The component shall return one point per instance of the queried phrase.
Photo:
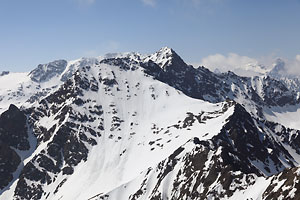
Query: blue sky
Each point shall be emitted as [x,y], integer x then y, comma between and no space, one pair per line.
[39,31]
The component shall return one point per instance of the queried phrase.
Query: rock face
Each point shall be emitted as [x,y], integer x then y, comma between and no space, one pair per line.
[45,72]
[13,130]
[279,69]
[287,183]
[3,73]
[10,160]
[129,126]
[67,139]
[13,136]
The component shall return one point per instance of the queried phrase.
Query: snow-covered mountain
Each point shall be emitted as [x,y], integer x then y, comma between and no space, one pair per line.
[132,126]
[279,72]
[24,89]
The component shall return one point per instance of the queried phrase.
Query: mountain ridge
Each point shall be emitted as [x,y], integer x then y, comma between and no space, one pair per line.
[94,130]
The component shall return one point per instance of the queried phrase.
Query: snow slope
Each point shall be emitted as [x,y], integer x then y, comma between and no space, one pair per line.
[143,121]
[288,116]
[10,85]
[24,89]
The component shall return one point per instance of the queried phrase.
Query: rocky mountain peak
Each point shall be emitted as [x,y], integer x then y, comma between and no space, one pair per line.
[13,128]
[45,72]
[168,59]
[278,69]
[3,73]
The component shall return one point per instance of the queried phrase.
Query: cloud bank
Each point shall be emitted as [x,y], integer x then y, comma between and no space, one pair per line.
[226,63]
[241,65]
[293,66]
[247,66]
[151,3]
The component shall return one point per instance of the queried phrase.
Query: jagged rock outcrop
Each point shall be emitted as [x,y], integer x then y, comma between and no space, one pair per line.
[45,72]
[13,137]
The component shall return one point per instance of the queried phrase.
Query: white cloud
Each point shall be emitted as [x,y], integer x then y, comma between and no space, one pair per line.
[91,53]
[241,65]
[293,67]
[225,63]
[204,4]
[288,67]
[86,2]
[195,3]
[113,45]
[151,3]
[247,66]
[110,46]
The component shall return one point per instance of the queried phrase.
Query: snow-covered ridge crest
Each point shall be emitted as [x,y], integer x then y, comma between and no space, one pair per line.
[59,69]
[64,69]
[166,57]
[162,57]
[24,89]
[44,72]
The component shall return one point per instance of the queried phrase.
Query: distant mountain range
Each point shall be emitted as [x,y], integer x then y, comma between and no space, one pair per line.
[132,126]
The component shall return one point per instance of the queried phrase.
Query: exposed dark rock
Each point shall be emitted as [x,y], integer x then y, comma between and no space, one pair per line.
[13,129]
[290,189]
[9,161]
[45,72]
[3,73]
